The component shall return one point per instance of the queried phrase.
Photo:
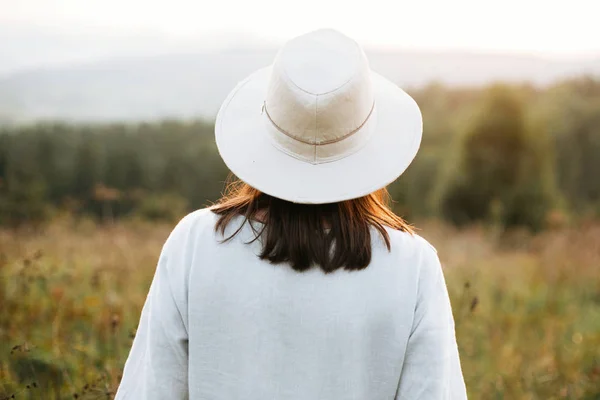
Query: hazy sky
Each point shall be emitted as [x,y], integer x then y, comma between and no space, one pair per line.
[554,27]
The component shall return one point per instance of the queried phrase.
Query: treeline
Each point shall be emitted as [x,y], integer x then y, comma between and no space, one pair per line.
[508,155]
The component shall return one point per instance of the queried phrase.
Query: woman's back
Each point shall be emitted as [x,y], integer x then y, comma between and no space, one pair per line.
[222,324]
[331,296]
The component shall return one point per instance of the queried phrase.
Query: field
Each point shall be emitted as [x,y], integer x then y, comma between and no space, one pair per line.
[527,308]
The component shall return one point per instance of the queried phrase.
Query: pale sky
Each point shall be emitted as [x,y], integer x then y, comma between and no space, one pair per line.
[551,27]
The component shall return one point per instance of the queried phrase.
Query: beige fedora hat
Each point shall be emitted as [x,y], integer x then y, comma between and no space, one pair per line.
[318,125]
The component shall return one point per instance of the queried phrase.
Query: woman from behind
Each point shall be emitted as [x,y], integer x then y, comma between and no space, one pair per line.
[301,283]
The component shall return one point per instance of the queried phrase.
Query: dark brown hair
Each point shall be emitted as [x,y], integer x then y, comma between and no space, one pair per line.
[331,236]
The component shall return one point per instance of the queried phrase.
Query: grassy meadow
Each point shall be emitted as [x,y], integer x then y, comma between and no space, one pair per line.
[527,308]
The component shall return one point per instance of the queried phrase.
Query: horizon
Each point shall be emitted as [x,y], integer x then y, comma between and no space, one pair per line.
[98,60]
[112,45]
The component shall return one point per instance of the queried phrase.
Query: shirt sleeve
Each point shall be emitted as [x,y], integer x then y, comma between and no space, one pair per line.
[431,369]
[157,366]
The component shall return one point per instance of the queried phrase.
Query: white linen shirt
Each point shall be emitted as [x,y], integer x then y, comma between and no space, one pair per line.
[221,324]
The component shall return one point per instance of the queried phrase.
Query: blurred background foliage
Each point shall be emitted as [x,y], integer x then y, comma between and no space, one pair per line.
[505,186]
[508,155]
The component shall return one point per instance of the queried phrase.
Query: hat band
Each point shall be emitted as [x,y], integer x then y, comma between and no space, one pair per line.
[317,143]
[315,152]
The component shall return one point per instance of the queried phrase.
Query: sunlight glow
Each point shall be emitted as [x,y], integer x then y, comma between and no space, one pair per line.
[532,26]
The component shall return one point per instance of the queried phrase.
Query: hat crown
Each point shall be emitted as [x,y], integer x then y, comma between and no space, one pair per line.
[318,126]
[320,89]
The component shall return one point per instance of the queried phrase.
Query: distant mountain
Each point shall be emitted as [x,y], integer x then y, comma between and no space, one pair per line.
[194,84]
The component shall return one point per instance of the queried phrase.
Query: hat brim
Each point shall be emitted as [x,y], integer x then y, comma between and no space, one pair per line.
[249,152]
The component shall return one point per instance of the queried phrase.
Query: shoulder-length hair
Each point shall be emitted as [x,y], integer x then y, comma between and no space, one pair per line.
[330,236]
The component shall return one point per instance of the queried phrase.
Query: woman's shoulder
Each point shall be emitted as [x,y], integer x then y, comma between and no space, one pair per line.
[192,225]
[198,218]
[416,255]
[409,242]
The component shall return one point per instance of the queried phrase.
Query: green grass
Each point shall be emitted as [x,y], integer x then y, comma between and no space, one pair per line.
[527,309]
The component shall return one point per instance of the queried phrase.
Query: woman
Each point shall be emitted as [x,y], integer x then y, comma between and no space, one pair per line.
[301,284]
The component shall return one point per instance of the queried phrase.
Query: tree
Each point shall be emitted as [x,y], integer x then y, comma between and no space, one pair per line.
[504,168]
[572,116]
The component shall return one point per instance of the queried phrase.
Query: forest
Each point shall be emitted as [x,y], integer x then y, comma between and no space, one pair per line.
[508,155]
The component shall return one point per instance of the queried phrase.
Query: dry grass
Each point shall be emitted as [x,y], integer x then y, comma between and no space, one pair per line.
[527,308]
